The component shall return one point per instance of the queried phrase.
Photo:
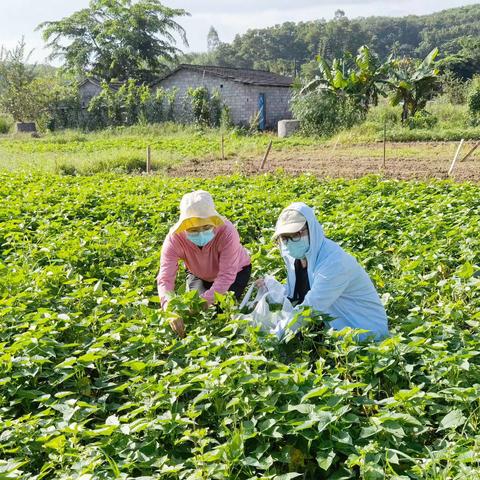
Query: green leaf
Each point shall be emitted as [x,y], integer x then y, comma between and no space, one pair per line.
[466,270]
[287,476]
[325,459]
[316,392]
[57,443]
[453,419]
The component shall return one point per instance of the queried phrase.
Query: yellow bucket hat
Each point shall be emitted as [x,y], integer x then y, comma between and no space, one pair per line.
[197,209]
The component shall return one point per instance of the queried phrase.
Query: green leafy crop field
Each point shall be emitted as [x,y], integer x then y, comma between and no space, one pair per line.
[94,385]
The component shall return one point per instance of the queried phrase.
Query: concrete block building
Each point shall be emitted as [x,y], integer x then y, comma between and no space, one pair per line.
[247,93]
[90,88]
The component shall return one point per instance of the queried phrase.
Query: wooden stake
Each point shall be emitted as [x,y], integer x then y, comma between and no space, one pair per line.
[223,147]
[149,159]
[470,152]
[455,157]
[266,155]
[333,150]
[384,144]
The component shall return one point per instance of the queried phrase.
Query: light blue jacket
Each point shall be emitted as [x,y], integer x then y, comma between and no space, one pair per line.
[339,286]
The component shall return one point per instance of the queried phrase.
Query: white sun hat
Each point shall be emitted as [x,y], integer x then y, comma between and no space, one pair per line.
[290,221]
[196,210]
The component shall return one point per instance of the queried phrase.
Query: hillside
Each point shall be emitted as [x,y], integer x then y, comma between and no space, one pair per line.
[285,47]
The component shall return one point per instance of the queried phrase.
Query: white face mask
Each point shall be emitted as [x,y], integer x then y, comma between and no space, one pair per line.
[201,238]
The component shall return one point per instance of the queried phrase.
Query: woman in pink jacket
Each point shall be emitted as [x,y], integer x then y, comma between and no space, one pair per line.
[210,247]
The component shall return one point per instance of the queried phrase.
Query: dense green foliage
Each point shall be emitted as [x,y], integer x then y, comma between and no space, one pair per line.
[24,95]
[342,93]
[128,105]
[362,78]
[32,92]
[474,101]
[132,103]
[284,48]
[464,63]
[324,113]
[206,107]
[96,386]
[5,124]
[116,40]
[414,83]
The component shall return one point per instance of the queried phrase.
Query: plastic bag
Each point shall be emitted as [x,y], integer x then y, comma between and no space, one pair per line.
[262,315]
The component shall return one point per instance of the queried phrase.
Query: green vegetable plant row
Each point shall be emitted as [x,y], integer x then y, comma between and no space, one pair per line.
[95,385]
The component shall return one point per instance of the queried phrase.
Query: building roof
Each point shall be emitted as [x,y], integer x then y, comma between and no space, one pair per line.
[98,83]
[241,75]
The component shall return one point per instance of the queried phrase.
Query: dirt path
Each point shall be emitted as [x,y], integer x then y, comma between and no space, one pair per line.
[418,160]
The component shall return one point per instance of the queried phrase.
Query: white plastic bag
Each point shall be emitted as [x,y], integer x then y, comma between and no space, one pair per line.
[275,322]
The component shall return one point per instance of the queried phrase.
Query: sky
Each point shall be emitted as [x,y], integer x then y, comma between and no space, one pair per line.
[229,17]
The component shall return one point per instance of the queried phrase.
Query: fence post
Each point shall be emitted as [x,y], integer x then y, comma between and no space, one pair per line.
[149,159]
[333,149]
[266,155]
[470,152]
[384,144]
[455,157]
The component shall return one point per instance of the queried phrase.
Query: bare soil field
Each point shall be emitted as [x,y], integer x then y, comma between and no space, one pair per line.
[416,160]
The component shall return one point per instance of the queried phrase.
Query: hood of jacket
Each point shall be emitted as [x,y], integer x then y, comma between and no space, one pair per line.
[317,241]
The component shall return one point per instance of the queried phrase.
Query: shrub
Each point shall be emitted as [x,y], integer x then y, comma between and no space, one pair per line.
[384,113]
[474,101]
[199,99]
[454,88]
[324,113]
[422,119]
[226,118]
[129,105]
[206,108]
[5,124]
[448,113]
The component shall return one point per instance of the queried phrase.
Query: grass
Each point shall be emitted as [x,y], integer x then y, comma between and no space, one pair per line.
[124,149]
[453,125]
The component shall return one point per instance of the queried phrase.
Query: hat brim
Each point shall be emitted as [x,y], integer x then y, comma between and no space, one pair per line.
[288,229]
[192,222]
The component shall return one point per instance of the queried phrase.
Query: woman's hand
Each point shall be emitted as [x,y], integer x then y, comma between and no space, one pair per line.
[260,283]
[177,325]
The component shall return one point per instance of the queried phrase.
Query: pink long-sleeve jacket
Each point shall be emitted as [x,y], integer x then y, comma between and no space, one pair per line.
[219,261]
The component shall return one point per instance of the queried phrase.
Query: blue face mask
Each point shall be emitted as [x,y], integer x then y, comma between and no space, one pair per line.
[201,238]
[297,249]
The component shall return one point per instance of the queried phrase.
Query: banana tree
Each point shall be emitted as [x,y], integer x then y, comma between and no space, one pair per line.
[413,83]
[362,77]
[372,75]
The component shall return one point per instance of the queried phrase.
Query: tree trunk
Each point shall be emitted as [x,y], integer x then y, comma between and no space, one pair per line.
[405,112]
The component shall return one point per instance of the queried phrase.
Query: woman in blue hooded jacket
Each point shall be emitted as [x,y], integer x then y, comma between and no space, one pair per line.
[321,275]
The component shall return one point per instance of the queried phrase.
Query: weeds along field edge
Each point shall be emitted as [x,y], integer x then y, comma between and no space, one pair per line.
[94,385]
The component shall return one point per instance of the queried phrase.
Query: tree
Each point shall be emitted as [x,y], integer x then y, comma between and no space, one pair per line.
[466,62]
[21,94]
[342,35]
[362,78]
[414,83]
[117,39]
[213,40]
[474,101]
